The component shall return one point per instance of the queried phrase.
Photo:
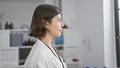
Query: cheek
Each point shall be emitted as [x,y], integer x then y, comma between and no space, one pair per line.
[56,26]
[54,29]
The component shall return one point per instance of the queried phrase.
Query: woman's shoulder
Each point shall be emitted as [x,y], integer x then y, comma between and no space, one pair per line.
[37,48]
[34,56]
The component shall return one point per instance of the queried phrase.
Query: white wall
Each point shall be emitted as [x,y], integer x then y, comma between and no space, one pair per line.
[17,12]
[91,26]
[86,16]
[97,34]
[20,11]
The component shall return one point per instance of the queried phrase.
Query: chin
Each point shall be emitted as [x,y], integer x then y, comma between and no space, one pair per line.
[58,35]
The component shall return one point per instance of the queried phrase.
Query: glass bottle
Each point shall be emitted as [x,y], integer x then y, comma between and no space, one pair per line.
[6,25]
[11,25]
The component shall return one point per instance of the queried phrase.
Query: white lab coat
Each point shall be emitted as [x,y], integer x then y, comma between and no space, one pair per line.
[42,57]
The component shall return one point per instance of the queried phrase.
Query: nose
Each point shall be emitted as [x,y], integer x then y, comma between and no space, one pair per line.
[62,24]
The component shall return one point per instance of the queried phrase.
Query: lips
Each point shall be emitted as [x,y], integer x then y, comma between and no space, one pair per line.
[60,29]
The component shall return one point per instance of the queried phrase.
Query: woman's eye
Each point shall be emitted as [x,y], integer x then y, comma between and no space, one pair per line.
[60,20]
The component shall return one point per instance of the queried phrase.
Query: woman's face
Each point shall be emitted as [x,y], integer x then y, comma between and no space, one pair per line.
[55,28]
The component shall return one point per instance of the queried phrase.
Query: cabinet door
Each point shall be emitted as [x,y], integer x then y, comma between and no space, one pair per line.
[4,38]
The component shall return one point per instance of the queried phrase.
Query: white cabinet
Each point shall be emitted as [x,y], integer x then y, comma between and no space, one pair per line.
[14,56]
[15,38]
[4,38]
[72,45]
[15,45]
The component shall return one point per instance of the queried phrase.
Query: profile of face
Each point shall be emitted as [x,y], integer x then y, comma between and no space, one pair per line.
[55,27]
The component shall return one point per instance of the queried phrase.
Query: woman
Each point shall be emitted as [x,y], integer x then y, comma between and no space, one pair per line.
[46,25]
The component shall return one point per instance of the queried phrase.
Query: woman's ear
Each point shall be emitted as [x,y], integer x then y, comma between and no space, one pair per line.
[45,23]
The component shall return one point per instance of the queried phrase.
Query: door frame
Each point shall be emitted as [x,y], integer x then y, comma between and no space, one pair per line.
[117,31]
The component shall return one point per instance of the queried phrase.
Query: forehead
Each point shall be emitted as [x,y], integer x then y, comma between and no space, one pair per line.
[57,16]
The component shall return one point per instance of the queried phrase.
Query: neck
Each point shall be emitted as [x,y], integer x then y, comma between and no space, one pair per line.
[46,40]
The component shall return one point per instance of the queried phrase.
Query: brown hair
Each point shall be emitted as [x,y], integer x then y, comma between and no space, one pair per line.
[42,13]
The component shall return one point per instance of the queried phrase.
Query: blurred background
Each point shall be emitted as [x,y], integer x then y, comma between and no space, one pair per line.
[91,38]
